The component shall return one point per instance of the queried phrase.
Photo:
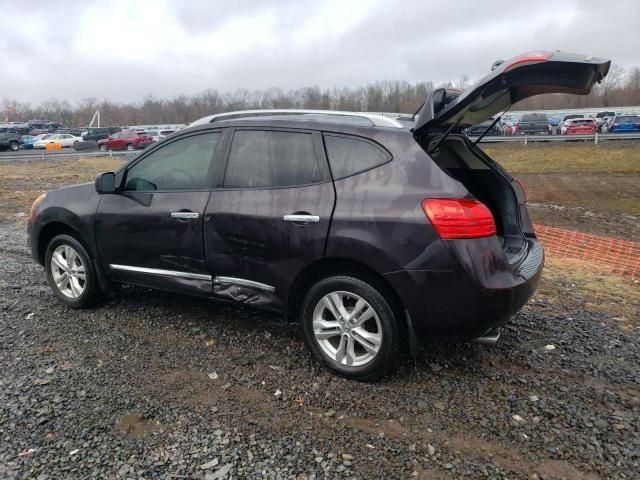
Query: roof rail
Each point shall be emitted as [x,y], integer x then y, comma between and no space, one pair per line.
[376,119]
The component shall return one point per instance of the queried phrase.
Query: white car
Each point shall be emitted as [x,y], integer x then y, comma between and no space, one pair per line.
[63,139]
[158,135]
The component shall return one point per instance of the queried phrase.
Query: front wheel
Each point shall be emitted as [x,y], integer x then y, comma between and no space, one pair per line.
[14,146]
[71,273]
[350,328]
[103,148]
[129,146]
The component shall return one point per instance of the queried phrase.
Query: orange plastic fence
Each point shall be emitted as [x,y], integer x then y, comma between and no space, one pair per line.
[605,253]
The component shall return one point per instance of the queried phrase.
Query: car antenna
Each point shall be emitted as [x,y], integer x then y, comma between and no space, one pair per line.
[491,126]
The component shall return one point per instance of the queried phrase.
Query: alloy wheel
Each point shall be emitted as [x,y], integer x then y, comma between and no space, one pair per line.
[68,271]
[347,328]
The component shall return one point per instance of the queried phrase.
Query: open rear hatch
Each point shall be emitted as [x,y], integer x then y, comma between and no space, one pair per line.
[448,111]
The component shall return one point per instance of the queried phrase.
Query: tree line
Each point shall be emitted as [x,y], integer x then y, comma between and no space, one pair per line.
[619,88]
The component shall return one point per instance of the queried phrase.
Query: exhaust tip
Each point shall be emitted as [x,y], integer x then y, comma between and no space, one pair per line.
[490,338]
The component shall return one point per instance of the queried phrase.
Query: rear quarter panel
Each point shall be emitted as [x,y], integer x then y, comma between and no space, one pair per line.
[378,218]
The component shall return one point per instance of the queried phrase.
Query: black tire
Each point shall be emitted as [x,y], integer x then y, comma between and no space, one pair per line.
[390,350]
[91,293]
[103,148]
[130,147]
[14,146]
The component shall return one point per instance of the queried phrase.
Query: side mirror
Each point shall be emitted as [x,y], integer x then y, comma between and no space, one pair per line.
[106,183]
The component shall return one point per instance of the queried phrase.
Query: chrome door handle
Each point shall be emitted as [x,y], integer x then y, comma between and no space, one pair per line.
[185,215]
[302,218]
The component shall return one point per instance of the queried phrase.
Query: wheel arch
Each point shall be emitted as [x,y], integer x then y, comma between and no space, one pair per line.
[328,266]
[53,229]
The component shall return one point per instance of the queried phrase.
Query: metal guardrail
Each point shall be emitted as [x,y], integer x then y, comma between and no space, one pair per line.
[46,155]
[596,138]
[522,139]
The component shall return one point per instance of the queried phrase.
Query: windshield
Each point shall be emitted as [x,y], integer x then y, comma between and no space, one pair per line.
[585,121]
[628,118]
[534,117]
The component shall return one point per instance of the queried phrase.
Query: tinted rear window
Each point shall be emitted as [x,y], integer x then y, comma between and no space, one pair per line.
[583,122]
[627,118]
[263,159]
[348,155]
[534,117]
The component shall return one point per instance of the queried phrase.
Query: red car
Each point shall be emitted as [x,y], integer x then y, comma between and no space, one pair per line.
[125,140]
[582,126]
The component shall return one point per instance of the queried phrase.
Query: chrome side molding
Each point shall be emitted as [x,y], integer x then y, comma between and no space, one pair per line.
[243,282]
[161,272]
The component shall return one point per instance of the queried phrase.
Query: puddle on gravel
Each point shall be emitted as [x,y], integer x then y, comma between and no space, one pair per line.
[135,426]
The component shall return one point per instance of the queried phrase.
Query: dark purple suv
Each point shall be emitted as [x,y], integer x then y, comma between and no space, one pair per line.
[371,233]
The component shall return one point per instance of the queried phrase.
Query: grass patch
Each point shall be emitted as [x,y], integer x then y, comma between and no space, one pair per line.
[573,284]
[566,158]
[21,183]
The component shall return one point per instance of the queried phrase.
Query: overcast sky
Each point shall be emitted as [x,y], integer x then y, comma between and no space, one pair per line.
[125,49]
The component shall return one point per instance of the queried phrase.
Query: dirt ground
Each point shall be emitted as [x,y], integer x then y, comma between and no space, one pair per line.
[579,186]
[156,385]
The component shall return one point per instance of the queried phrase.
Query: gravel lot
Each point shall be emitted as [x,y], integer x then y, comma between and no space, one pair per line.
[152,385]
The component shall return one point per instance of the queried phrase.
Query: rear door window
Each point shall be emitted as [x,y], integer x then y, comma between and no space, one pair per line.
[270,158]
[349,155]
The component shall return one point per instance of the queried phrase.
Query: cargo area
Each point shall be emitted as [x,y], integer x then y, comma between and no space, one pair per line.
[489,184]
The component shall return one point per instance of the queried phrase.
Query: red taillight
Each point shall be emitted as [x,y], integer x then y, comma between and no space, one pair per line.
[459,218]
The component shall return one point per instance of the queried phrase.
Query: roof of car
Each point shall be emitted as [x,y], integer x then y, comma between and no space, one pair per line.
[326,116]
[311,122]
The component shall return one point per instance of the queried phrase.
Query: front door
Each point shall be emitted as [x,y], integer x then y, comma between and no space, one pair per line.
[271,216]
[151,232]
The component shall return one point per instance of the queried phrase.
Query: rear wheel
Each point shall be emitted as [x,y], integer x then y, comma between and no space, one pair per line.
[14,146]
[70,272]
[350,328]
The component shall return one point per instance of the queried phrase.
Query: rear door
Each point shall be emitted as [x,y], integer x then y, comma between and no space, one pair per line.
[151,232]
[270,216]
[521,77]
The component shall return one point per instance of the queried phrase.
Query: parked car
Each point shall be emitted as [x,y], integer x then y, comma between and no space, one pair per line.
[10,141]
[62,139]
[29,140]
[93,134]
[511,126]
[581,126]
[601,118]
[477,130]
[564,121]
[533,124]
[372,235]
[158,135]
[125,140]
[624,124]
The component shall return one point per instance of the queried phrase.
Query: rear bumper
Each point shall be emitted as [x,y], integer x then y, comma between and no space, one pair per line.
[480,291]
